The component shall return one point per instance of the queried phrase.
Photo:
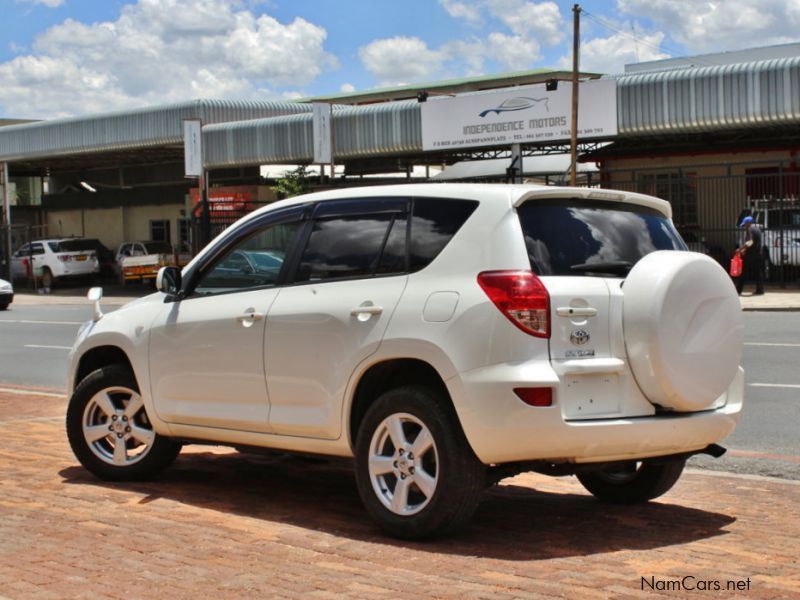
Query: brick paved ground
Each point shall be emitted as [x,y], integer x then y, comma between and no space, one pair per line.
[224,525]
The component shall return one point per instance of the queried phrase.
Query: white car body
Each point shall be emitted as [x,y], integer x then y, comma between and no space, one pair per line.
[6,294]
[281,367]
[45,255]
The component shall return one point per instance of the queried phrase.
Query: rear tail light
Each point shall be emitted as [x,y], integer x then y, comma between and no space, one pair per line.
[64,257]
[535,396]
[521,297]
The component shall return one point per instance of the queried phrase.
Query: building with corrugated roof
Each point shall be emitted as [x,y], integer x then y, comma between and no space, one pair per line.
[712,134]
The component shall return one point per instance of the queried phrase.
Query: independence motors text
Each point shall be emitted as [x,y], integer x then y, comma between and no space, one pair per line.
[514,125]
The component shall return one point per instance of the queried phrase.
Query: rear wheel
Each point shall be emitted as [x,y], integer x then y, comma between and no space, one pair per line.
[416,473]
[632,482]
[47,278]
[3,306]
[109,431]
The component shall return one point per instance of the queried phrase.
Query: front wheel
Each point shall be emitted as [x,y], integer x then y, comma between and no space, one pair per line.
[633,482]
[109,431]
[416,474]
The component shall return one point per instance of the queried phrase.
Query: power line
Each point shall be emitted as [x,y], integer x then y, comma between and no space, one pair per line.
[603,23]
[670,52]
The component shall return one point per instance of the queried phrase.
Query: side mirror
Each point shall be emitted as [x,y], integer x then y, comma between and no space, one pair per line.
[168,280]
[95,295]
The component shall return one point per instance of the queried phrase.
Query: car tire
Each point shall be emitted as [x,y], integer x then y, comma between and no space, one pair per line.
[441,485]
[109,431]
[47,278]
[3,306]
[633,483]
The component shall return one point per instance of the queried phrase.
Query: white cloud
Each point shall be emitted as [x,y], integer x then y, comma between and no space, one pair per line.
[611,54]
[513,52]
[399,60]
[47,3]
[161,51]
[470,13]
[347,88]
[525,26]
[539,22]
[712,26]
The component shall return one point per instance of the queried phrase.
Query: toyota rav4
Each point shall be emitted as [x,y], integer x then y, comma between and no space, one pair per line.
[444,336]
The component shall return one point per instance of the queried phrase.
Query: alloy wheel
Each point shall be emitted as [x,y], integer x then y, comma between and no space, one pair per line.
[116,427]
[403,464]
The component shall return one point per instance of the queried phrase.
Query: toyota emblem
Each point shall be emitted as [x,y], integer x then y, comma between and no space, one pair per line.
[579,337]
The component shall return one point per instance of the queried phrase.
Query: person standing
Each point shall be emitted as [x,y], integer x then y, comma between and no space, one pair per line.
[752,253]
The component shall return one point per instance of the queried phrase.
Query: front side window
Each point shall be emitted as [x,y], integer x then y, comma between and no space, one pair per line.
[585,237]
[345,247]
[254,262]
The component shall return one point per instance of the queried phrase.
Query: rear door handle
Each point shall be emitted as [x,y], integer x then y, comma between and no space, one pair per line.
[250,316]
[571,311]
[366,310]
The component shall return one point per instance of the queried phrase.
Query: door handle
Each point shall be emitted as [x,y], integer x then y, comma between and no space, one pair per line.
[368,310]
[250,316]
[572,311]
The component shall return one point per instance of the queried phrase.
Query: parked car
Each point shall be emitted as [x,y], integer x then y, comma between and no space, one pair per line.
[140,261]
[6,294]
[56,259]
[445,336]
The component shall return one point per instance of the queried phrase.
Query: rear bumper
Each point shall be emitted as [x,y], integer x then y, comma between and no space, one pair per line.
[501,428]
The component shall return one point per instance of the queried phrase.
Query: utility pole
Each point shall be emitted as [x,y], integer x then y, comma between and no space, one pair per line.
[573,145]
[6,251]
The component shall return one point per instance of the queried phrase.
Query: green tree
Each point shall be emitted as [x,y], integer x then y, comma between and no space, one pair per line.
[293,183]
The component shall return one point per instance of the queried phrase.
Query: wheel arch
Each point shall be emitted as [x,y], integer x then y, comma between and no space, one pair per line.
[387,374]
[99,357]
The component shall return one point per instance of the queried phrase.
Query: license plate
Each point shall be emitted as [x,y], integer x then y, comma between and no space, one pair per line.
[82,257]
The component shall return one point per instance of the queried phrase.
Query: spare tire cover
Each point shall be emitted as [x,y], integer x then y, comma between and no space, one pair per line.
[683,329]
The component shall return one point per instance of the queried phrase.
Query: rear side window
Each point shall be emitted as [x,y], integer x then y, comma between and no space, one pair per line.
[434,223]
[344,247]
[585,237]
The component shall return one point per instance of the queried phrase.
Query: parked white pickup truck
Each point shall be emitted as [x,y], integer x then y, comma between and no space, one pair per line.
[140,261]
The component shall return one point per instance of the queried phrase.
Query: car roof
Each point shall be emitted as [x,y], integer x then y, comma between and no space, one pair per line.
[513,194]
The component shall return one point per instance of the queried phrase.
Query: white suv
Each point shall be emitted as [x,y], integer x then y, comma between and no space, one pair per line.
[446,336]
[55,259]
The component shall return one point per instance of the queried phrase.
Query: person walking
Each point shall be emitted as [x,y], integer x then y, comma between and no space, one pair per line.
[752,253]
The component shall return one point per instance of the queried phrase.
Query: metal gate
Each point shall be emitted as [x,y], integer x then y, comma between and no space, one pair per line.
[707,209]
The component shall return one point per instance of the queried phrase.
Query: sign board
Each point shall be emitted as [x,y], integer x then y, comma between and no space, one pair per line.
[229,199]
[323,133]
[192,148]
[520,115]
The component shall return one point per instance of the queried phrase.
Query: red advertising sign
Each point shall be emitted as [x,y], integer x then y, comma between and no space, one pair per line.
[231,199]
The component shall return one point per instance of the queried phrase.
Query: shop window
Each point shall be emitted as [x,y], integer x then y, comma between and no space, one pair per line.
[184,235]
[159,230]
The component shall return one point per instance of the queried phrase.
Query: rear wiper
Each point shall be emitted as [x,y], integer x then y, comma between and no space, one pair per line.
[619,267]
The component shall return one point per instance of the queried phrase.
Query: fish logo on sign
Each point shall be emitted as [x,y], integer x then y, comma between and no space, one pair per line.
[520,103]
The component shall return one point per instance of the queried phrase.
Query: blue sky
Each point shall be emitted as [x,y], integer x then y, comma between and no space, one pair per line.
[67,57]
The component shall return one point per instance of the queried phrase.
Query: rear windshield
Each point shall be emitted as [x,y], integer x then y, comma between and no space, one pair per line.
[73,245]
[158,247]
[590,237]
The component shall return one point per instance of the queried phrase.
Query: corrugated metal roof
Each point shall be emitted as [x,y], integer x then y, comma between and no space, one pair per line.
[748,95]
[358,131]
[128,130]
[739,96]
